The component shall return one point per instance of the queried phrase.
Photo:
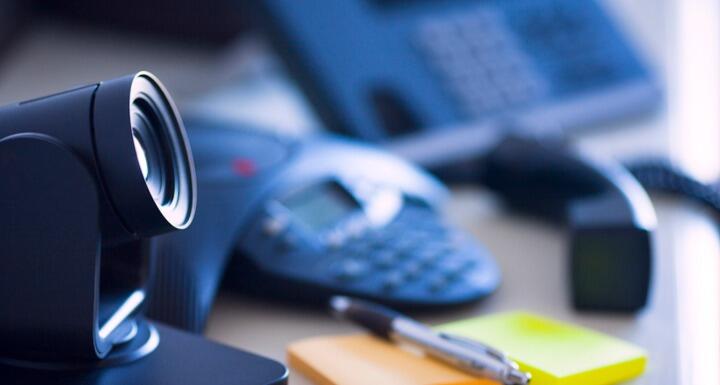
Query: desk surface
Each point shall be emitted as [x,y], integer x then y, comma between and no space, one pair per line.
[531,254]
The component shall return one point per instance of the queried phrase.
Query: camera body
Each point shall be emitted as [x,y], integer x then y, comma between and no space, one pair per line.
[89,175]
[73,242]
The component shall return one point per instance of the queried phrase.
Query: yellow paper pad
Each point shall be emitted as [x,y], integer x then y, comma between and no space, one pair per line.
[367,360]
[555,353]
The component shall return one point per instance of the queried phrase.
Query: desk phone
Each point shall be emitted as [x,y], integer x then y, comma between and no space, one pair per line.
[377,69]
[362,238]
[304,219]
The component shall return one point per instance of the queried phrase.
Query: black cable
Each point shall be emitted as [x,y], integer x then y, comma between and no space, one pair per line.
[660,175]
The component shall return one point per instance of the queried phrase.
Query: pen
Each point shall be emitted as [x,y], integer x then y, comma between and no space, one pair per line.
[468,355]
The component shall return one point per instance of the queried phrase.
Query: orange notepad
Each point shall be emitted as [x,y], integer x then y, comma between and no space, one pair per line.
[367,360]
[555,353]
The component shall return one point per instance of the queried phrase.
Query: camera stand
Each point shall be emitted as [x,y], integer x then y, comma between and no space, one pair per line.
[180,359]
[70,305]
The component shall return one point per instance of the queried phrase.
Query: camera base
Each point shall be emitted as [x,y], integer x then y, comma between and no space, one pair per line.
[180,359]
[144,339]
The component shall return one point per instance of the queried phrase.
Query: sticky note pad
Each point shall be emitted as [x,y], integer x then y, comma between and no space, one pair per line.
[367,360]
[555,353]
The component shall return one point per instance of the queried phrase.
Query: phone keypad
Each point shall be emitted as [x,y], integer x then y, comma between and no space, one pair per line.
[496,58]
[480,61]
[414,253]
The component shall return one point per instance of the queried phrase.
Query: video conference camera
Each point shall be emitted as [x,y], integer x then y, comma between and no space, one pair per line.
[88,176]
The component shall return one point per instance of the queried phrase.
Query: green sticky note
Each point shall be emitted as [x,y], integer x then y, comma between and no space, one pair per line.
[555,353]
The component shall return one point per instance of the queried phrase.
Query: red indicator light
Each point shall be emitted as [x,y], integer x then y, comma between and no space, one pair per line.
[244,167]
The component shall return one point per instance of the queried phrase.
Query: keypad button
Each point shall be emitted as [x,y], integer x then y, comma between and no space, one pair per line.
[414,236]
[376,241]
[385,259]
[405,243]
[470,264]
[427,258]
[359,248]
[456,268]
[432,228]
[408,253]
[438,284]
[393,281]
[413,270]
[384,236]
[441,250]
[350,270]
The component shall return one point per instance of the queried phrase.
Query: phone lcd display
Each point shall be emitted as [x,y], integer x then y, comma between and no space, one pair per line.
[321,206]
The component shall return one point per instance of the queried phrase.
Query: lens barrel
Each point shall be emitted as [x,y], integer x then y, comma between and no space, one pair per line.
[143,155]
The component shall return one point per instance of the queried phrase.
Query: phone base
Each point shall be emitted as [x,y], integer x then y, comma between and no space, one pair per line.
[180,359]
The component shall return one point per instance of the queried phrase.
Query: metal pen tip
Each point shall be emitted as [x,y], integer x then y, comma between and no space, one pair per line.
[516,377]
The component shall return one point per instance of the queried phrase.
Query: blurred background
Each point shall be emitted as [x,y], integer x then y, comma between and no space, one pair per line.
[199,48]
[628,79]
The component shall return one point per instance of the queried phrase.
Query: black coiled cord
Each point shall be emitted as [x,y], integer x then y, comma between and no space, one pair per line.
[660,175]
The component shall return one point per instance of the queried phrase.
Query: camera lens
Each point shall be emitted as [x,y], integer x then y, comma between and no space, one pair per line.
[145,156]
[154,150]
[142,157]
[161,150]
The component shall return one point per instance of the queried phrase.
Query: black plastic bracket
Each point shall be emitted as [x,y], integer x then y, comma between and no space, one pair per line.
[71,301]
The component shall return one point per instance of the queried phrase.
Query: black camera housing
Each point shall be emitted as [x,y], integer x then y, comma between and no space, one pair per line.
[89,175]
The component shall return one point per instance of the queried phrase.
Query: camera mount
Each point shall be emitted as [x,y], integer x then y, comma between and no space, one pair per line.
[56,277]
[87,176]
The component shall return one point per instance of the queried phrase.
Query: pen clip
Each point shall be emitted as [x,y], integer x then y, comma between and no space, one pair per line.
[480,348]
